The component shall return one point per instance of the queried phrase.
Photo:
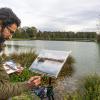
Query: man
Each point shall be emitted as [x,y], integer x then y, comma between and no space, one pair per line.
[9,22]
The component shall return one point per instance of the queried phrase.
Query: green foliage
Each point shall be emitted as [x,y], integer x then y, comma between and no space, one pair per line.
[32,33]
[89,89]
[25,59]
[92,87]
[25,75]
[68,68]
[98,38]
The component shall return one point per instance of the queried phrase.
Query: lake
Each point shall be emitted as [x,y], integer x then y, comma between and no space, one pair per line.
[86,54]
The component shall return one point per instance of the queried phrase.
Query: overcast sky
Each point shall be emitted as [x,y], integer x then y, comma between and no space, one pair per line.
[56,15]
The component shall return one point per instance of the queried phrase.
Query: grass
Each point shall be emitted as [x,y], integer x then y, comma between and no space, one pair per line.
[26,59]
[89,89]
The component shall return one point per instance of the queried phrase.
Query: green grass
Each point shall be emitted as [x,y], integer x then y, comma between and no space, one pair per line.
[26,59]
[92,87]
[89,89]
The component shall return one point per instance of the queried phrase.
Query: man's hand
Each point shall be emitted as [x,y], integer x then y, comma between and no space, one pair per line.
[19,71]
[34,81]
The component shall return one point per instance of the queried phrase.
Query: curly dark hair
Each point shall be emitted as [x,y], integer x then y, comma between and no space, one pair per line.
[7,17]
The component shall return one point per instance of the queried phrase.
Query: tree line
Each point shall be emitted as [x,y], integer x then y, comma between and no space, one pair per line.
[34,34]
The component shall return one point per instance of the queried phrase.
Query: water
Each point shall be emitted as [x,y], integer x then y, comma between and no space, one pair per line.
[86,54]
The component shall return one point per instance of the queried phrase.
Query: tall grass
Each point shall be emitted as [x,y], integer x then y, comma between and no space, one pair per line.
[26,59]
[89,89]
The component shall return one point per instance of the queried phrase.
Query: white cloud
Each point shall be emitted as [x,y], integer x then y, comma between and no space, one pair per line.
[52,15]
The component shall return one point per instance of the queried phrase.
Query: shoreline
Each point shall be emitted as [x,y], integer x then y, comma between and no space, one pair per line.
[80,40]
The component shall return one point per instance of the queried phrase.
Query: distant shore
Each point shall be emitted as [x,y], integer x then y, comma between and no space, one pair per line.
[80,40]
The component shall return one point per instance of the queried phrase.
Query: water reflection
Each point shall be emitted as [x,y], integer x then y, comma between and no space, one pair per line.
[17,49]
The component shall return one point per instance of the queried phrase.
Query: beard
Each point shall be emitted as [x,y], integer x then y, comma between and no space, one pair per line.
[3,37]
[7,37]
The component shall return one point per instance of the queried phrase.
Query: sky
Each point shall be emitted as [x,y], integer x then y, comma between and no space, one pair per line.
[57,15]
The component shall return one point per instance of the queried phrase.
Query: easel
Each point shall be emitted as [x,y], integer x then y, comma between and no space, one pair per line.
[50,93]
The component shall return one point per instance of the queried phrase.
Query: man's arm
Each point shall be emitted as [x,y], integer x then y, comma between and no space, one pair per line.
[8,89]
